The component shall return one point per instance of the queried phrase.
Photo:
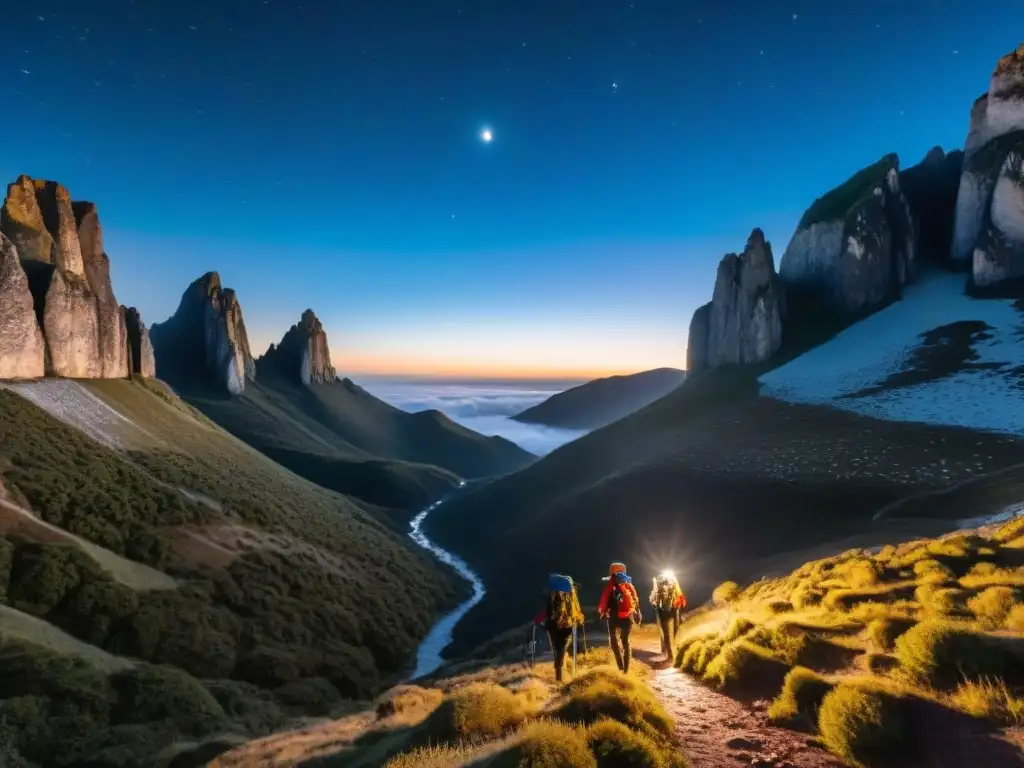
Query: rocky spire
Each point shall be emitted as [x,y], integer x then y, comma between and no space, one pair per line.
[743,323]
[207,327]
[139,348]
[303,353]
[22,349]
[988,235]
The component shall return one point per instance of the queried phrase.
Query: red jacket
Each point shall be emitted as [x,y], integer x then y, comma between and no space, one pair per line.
[606,599]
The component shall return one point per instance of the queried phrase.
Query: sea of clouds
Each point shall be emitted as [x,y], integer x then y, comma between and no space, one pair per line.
[483,406]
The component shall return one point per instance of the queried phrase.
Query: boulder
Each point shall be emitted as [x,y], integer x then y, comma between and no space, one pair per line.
[743,323]
[22,349]
[855,247]
[139,347]
[697,347]
[113,339]
[989,220]
[931,191]
[207,328]
[303,353]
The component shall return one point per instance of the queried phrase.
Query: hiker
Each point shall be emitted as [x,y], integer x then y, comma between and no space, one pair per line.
[620,606]
[561,613]
[668,601]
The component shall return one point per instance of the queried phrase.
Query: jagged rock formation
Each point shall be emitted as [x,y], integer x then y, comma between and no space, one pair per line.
[113,336]
[989,229]
[60,246]
[22,349]
[855,247]
[931,190]
[207,327]
[141,359]
[303,353]
[744,322]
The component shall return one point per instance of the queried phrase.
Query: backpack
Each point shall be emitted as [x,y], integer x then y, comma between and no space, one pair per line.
[665,596]
[564,611]
[622,593]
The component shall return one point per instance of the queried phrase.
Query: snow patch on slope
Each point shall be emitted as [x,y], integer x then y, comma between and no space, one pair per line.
[866,353]
[75,405]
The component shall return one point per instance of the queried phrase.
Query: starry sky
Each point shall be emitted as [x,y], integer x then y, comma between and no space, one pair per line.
[329,154]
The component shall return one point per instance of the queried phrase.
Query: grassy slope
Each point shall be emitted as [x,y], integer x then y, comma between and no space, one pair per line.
[892,657]
[317,590]
[836,203]
[602,401]
[676,483]
[490,709]
[343,438]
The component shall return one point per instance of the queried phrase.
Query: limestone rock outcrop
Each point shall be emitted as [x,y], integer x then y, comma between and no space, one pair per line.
[22,349]
[113,336]
[931,190]
[855,247]
[744,321]
[208,329]
[989,229]
[60,246]
[139,348]
[303,353]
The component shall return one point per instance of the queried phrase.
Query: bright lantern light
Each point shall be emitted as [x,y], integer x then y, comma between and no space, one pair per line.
[486,135]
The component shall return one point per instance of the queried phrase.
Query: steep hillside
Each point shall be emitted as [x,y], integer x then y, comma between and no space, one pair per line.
[156,538]
[291,406]
[711,480]
[602,401]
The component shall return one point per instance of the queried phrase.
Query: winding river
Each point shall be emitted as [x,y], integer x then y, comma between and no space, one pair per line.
[428,655]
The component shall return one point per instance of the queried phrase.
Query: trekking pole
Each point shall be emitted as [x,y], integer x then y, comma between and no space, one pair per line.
[532,646]
[574,650]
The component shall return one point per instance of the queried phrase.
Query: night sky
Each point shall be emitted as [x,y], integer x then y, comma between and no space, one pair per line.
[330,154]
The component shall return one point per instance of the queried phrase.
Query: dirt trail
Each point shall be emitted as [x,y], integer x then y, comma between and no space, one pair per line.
[718,732]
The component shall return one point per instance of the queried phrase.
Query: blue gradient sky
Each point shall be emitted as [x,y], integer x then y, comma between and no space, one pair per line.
[327,154]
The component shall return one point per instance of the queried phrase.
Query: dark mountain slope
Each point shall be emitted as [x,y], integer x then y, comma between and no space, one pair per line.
[709,479]
[602,401]
[291,406]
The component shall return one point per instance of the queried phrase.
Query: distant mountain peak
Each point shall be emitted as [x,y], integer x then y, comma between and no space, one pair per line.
[303,352]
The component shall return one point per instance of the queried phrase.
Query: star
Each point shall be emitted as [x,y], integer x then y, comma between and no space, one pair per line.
[615,86]
[794,17]
[486,135]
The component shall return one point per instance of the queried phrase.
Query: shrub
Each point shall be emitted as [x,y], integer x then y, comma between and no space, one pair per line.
[698,655]
[992,606]
[92,609]
[743,668]
[806,596]
[725,592]
[860,725]
[884,632]
[990,699]
[478,712]
[605,694]
[1015,619]
[148,693]
[408,698]
[73,686]
[252,708]
[939,600]
[737,628]
[546,745]
[780,606]
[312,694]
[617,746]
[942,654]
[443,756]
[42,575]
[802,693]
[858,572]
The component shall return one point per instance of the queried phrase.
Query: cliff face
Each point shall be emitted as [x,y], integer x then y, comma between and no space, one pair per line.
[743,323]
[988,233]
[303,353]
[931,190]
[139,347]
[855,247]
[22,349]
[60,248]
[208,328]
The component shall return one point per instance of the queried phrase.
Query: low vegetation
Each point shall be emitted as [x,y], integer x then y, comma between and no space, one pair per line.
[875,645]
[309,600]
[497,713]
[836,203]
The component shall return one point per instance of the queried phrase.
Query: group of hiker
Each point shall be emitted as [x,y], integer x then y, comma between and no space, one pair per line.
[619,606]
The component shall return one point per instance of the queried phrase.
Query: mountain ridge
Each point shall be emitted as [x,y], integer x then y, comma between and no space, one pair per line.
[602,401]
